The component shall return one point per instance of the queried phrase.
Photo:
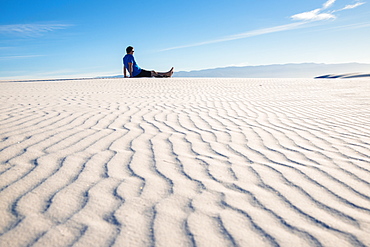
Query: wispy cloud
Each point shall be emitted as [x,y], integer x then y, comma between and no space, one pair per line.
[319,14]
[328,4]
[352,6]
[31,30]
[243,35]
[19,57]
[322,13]
[313,15]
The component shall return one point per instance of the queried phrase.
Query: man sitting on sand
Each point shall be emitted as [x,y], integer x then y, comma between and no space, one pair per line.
[129,64]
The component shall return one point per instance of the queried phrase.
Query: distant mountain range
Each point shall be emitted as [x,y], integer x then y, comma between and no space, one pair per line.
[303,70]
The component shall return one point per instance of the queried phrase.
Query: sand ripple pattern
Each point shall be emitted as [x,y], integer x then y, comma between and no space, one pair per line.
[185,162]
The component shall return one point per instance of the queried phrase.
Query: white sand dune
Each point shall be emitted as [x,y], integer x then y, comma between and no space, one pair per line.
[185,162]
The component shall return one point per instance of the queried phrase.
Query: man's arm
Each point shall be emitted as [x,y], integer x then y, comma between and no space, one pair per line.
[124,71]
[131,69]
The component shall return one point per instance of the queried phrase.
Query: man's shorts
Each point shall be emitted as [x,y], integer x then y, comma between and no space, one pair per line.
[144,73]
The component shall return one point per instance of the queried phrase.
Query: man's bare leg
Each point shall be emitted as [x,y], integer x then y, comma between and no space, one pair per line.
[163,74]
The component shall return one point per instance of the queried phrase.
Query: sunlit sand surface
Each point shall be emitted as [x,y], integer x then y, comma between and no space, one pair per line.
[185,162]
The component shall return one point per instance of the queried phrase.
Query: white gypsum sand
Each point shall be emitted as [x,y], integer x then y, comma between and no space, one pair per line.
[185,162]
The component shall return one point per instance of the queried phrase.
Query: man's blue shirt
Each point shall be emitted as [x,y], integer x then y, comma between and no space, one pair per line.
[128,58]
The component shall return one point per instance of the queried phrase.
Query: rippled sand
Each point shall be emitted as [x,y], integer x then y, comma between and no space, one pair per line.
[185,162]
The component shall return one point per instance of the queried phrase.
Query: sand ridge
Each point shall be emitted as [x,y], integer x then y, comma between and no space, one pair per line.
[185,162]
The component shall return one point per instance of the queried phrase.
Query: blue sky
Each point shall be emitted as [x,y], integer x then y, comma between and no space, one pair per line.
[74,38]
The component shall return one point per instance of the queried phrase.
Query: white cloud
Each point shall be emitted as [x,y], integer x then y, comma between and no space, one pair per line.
[30,29]
[243,35]
[328,4]
[303,18]
[20,57]
[352,6]
[319,15]
[313,15]
[267,30]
